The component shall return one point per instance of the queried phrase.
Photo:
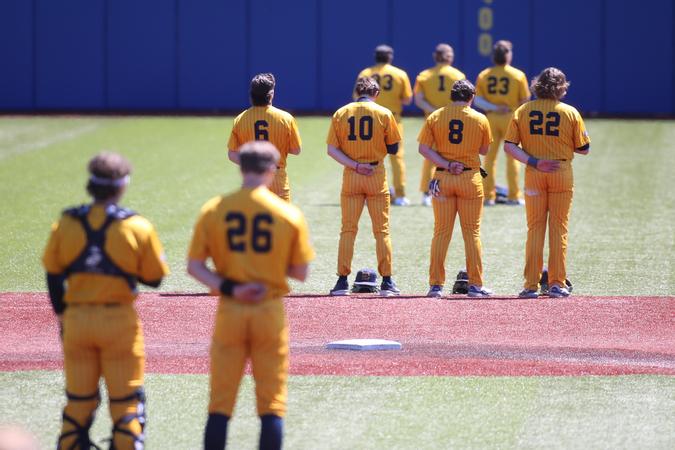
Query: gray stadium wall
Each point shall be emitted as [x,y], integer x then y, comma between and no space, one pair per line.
[198,55]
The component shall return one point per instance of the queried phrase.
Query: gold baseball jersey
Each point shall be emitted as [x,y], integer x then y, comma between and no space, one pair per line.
[548,129]
[252,235]
[394,86]
[503,85]
[362,130]
[436,83]
[266,123]
[456,132]
[132,244]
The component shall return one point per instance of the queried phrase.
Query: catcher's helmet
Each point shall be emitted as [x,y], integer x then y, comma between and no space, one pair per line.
[366,282]
[461,285]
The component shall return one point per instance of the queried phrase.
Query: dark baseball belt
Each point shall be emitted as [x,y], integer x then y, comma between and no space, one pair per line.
[483,173]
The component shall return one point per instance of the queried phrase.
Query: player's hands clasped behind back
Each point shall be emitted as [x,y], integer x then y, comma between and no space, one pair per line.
[456,168]
[249,292]
[548,165]
[364,169]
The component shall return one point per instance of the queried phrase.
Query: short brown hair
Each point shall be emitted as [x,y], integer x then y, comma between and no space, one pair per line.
[384,54]
[500,50]
[462,91]
[258,157]
[261,87]
[444,53]
[551,83]
[108,175]
[367,86]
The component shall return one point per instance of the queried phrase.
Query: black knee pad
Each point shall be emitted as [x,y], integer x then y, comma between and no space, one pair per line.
[120,424]
[80,430]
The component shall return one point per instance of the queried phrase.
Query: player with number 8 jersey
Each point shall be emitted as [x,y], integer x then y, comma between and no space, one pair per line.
[451,139]
[264,122]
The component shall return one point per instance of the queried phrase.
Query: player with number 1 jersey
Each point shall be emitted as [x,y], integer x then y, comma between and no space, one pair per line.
[432,91]
[264,122]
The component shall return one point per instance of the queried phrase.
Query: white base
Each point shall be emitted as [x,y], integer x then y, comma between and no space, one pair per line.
[364,344]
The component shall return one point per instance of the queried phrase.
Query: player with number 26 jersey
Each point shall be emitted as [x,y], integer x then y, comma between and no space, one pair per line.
[264,122]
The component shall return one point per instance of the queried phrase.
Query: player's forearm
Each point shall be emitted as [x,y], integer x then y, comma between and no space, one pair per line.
[484,104]
[233,156]
[406,100]
[433,156]
[484,150]
[198,270]
[55,285]
[515,151]
[340,157]
[423,104]
[299,273]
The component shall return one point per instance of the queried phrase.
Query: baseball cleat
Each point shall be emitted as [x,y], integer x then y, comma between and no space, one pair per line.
[528,293]
[388,288]
[489,203]
[400,201]
[517,202]
[556,291]
[478,291]
[426,200]
[435,291]
[341,287]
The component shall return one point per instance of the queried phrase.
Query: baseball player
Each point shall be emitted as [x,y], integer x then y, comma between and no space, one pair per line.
[451,139]
[432,91]
[550,133]
[102,251]
[264,122]
[361,134]
[395,91]
[255,241]
[499,91]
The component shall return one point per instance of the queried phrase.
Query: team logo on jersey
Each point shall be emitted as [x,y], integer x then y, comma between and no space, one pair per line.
[94,257]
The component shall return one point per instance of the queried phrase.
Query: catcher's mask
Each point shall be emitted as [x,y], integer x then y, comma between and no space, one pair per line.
[366,282]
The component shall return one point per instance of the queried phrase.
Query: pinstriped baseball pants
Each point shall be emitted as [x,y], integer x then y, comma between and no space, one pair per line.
[357,191]
[548,197]
[280,185]
[463,195]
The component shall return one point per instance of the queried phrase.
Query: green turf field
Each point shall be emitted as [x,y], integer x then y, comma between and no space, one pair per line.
[621,243]
[390,412]
[621,233]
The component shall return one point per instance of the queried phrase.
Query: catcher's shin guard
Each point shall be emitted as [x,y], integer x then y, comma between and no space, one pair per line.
[78,415]
[128,415]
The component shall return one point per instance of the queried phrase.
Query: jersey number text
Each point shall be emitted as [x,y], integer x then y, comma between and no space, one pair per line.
[456,127]
[492,85]
[388,81]
[237,229]
[365,128]
[552,123]
[260,130]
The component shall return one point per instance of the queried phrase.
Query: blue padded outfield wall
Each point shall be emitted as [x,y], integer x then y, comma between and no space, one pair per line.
[198,55]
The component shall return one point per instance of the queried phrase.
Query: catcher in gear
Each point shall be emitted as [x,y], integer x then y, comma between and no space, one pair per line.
[102,251]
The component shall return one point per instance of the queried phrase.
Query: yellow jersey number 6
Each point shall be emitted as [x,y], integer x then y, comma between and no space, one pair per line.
[237,229]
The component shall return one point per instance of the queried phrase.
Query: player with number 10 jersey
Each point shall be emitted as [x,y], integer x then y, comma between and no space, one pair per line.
[264,122]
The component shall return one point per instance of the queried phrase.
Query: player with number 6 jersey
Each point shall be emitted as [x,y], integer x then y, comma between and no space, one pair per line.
[395,91]
[264,122]
[451,139]
[550,132]
[500,90]
[432,91]
[361,134]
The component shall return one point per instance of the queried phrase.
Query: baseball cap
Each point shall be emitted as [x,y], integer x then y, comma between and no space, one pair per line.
[366,277]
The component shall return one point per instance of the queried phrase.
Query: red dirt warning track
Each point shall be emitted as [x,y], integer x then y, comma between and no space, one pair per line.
[575,336]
